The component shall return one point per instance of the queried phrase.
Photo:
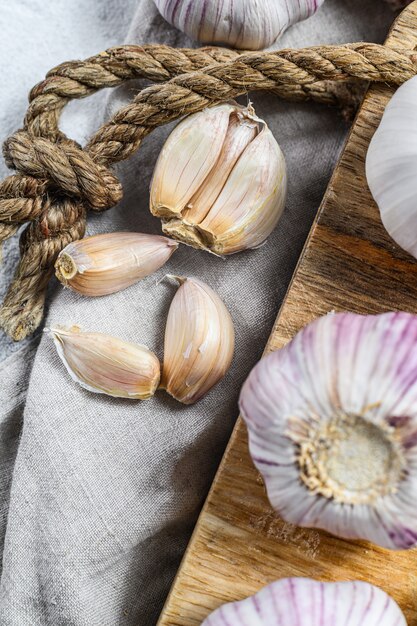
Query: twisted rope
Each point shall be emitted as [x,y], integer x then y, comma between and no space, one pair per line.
[57,181]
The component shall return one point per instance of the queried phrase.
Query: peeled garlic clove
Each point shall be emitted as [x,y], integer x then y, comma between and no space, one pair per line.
[103,264]
[391,165]
[306,602]
[220,181]
[332,423]
[199,341]
[245,24]
[105,364]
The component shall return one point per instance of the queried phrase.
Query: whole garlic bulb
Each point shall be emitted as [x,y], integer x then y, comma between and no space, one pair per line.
[306,602]
[246,24]
[391,166]
[332,422]
[220,180]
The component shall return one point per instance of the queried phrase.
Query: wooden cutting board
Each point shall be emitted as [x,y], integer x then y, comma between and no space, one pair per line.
[348,263]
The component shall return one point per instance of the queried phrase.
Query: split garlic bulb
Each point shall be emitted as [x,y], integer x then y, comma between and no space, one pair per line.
[391,166]
[247,24]
[220,180]
[106,263]
[199,341]
[105,364]
[306,602]
[332,422]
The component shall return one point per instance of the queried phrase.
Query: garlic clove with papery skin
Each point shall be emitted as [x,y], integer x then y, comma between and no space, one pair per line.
[391,165]
[332,424]
[106,263]
[242,24]
[306,602]
[104,364]
[199,341]
[220,181]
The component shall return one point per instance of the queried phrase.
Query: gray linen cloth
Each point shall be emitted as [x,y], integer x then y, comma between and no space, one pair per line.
[98,496]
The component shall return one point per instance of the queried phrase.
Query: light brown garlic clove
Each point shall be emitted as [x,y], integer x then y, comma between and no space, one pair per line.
[199,341]
[103,264]
[104,364]
[220,181]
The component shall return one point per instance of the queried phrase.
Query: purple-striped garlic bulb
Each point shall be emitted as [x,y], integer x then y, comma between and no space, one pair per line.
[246,24]
[306,602]
[332,422]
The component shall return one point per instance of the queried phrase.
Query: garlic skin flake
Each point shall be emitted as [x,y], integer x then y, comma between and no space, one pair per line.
[220,181]
[104,364]
[246,24]
[103,264]
[199,341]
[391,165]
[332,423]
[306,602]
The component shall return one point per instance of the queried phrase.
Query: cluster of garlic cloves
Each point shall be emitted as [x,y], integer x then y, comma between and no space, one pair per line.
[237,23]
[332,423]
[306,602]
[199,343]
[220,181]
[106,263]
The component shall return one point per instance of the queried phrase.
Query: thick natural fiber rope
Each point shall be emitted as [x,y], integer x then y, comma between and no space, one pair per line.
[58,181]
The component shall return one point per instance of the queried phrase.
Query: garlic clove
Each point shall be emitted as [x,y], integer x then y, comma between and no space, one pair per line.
[391,164]
[245,24]
[199,341]
[235,203]
[104,364]
[237,138]
[250,204]
[332,419]
[103,264]
[187,158]
[306,602]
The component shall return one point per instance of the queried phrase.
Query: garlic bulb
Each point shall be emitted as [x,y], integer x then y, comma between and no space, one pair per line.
[247,24]
[306,602]
[332,422]
[220,180]
[391,165]
[105,364]
[199,341]
[103,264]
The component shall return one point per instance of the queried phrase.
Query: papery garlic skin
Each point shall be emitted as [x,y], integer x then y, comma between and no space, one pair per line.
[104,364]
[306,602]
[246,24]
[220,181]
[199,341]
[106,263]
[391,165]
[332,423]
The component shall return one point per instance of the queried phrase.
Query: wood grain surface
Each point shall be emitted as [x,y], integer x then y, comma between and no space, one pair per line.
[348,263]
